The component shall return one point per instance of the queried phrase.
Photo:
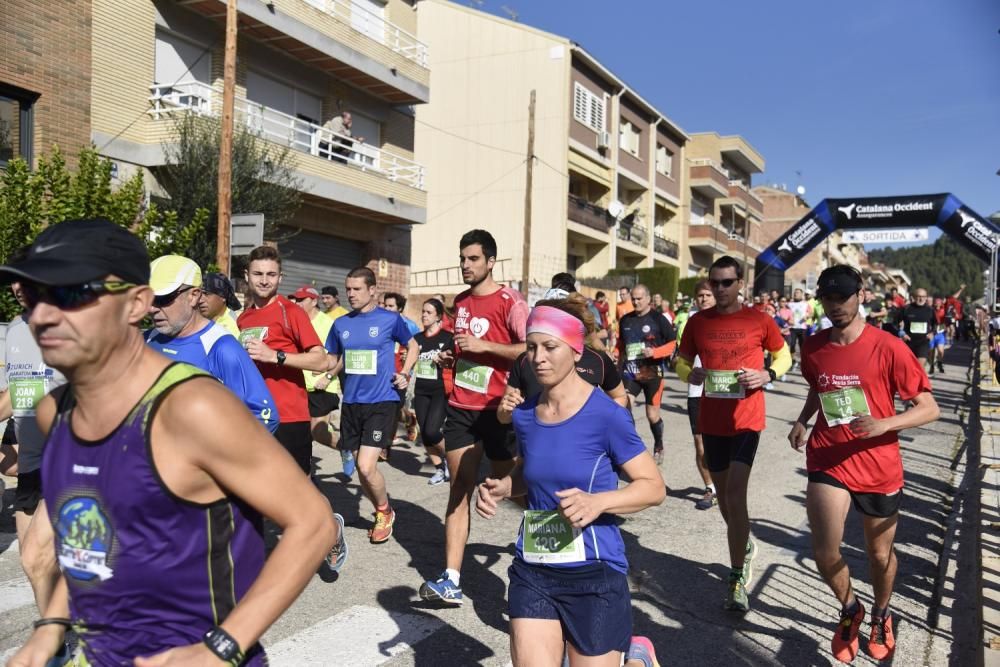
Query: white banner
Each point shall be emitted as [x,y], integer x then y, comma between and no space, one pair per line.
[912,235]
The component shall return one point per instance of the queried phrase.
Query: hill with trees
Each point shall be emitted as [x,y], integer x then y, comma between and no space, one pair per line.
[940,267]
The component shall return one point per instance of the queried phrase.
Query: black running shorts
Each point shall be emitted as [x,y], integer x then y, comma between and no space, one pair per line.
[721,450]
[878,505]
[322,403]
[368,424]
[467,427]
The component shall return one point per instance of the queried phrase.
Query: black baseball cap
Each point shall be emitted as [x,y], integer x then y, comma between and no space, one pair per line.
[218,284]
[840,280]
[80,251]
[331,290]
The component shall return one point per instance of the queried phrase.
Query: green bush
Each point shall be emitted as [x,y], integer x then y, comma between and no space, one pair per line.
[660,280]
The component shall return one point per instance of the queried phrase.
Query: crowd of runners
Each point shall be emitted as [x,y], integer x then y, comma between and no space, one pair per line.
[140,521]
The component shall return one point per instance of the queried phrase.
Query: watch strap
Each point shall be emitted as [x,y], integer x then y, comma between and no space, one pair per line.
[223,646]
[773,375]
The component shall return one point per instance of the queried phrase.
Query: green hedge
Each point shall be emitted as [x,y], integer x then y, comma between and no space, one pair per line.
[686,285]
[660,280]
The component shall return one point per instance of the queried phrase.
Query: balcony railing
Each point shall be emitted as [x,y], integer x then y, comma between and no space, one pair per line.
[286,130]
[588,214]
[665,246]
[709,162]
[633,233]
[749,197]
[376,27]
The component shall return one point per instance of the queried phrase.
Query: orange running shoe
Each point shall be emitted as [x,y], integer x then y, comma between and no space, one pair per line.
[882,643]
[845,640]
[382,530]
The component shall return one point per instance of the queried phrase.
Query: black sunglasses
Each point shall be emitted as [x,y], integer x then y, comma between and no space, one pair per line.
[69,297]
[167,299]
[728,282]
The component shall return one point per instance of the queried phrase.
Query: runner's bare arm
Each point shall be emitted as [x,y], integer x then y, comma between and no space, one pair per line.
[46,640]
[197,464]
[923,411]
[412,355]
[645,490]
[508,351]
[511,399]
[45,411]
[797,436]
[618,395]
[6,409]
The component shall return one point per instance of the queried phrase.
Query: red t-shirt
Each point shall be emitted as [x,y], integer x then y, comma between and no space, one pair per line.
[879,365]
[500,317]
[727,343]
[286,327]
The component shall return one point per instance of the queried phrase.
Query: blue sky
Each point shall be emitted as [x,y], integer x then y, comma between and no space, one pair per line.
[863,97]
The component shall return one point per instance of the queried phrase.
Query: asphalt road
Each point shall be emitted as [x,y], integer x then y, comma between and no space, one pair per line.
[371,614]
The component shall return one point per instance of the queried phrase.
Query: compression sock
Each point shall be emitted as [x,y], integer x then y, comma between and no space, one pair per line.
[657,429]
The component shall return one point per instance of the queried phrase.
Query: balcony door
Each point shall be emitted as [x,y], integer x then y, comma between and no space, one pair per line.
[368,18]
[282,113]
[182,71]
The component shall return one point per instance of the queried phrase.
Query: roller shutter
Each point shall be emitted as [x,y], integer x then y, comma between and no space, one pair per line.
[318,259]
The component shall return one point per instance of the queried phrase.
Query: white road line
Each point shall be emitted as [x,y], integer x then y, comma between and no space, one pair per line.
[357,636]
[15,593]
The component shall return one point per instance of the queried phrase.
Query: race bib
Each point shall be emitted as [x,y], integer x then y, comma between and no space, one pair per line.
[252,333]
[723,384]
[426,369]
[841,406]
[633,351]
[472,377]
[361,362]
[918,327]
[550,538]
[25,394]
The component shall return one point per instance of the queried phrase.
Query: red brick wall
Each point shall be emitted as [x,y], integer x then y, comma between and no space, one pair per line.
[45,48]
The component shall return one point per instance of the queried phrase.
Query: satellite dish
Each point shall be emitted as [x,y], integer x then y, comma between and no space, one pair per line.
[616,208]
[801,190]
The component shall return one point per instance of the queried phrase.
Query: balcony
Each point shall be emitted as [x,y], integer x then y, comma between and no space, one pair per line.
[708,236]
[374,27]
[665,246]
[739,191]
[285,130]
[590,215]
[632,233]
[708,178]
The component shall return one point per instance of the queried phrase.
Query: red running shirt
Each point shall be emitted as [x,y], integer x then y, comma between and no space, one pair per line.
[288,329]
[727,343]
[880,366]
[500,317]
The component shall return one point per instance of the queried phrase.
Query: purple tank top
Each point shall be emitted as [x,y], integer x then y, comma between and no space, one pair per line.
[146,570]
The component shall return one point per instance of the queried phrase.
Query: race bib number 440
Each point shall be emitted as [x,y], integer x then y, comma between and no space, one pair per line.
[841,406]
[472,377]
[550,538]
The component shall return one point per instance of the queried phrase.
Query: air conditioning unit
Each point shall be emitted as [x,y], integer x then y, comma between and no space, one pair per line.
[603,140]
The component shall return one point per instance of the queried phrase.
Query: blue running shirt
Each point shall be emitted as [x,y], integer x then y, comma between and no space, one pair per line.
[366,341]
[579,452]
[216,351]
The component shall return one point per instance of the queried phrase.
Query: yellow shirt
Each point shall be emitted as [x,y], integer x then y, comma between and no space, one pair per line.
[228,323]
[335,313]
[322,323]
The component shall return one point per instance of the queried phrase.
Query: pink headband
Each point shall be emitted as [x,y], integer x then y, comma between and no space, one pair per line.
[559,324]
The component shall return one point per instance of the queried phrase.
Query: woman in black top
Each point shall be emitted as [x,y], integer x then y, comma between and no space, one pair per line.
[430,396]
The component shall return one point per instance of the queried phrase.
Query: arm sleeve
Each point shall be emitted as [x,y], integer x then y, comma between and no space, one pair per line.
[781,360]
[624,444]
[612,378]
[240,375]
[669,337]
[683,368]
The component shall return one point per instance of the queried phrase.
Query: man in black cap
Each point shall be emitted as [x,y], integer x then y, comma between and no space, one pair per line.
[854,372]
[329,302]
[218,298]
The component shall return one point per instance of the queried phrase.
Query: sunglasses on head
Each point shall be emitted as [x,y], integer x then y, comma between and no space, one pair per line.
[68,297]
[728,282]
[167,299]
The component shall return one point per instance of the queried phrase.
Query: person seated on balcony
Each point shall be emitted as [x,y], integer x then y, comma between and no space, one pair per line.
[339,146]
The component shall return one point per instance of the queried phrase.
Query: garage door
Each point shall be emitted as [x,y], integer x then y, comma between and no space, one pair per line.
[317,259]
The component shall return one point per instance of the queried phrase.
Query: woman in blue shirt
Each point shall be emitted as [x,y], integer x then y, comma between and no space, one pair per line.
[568,586]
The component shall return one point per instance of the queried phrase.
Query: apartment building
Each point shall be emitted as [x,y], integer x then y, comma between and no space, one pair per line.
[44,79]
[607,175]
[724,214]
[300,63]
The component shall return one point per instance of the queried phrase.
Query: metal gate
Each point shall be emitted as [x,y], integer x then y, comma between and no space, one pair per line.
[315,259]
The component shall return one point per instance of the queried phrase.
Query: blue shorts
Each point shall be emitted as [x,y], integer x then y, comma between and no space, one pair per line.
[938,340]
[591,602]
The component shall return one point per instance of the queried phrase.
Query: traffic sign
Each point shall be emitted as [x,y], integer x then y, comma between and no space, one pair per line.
[247,232]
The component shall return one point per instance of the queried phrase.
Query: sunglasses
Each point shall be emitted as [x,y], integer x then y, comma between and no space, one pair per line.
[728,282]
[70,297]
[167,299]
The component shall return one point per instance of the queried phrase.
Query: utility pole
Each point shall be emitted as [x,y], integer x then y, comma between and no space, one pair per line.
[226,144]
[526,245]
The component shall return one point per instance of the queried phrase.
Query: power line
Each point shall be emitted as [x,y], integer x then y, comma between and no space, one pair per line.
[480,191]
[467,139]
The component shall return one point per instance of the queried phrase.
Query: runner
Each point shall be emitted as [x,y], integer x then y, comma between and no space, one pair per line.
[218,298]
[363,340]
[181,333]
[704,299]
[854,372]
[395,302]
[568,588]
[938,344]
[433,384]
[278,336]
[329,302]
[917,325]
[731,341]
[489,335]
[646,339]
[141,486]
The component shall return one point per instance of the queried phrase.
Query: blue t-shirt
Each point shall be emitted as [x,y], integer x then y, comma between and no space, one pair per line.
[412,326]
[366,342]
[215,350]
[579,452]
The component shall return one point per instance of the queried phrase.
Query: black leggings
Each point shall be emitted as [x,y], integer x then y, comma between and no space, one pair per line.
[430,416]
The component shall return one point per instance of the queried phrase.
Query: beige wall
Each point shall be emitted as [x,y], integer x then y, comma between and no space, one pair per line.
[472,137]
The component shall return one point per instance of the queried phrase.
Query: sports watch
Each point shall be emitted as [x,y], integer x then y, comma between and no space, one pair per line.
[223,645]
[281,357]
[772,374]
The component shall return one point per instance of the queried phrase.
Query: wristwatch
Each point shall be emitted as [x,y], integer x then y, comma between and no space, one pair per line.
[281,357]
[329,377]
[772,374]
[222,644]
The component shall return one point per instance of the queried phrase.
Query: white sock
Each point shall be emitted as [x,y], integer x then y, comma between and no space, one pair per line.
[712,487]
[454,575]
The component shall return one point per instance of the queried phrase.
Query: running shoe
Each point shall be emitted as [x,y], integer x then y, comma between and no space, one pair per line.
[440,476]
[338,554]
[737,598]
[845,640]
[442,590]
[642,649]
[347,460]
[658,455]
[882,642]
[749,555]
[382,530]
[708,501]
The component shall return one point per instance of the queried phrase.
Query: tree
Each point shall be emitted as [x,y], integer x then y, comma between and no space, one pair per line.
[940,267]
[30,201]
[262,181]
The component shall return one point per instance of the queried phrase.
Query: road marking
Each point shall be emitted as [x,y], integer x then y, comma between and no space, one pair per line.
[15,593]
[357,636]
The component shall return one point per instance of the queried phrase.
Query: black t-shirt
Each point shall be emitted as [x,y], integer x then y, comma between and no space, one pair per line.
[430,348]
[638,332]
[595,367]
[874,306]
[918,322]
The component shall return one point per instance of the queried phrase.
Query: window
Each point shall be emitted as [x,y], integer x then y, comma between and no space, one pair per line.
[628,138]
[16,124]
[664,160]
[588,108]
